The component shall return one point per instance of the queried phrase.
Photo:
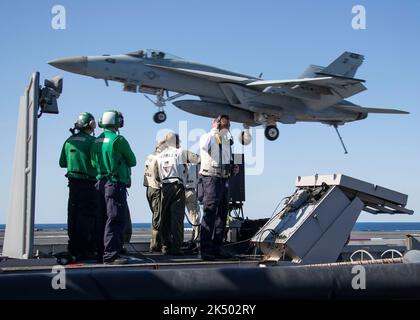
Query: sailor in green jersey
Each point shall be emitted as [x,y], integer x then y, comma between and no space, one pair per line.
[113,158]
[82,203]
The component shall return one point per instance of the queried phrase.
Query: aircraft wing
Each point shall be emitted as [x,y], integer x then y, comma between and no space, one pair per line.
[263,84]
[355,108]
[321,81]
[218,77]
[317,93]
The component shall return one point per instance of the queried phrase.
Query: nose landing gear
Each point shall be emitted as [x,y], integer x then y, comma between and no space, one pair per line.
[271,132]
[162,96]
[159,117]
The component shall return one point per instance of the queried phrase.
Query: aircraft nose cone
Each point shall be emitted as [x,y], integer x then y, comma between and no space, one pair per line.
[72,64]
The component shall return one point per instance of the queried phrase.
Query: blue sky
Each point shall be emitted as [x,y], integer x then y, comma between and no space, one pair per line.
[279,38]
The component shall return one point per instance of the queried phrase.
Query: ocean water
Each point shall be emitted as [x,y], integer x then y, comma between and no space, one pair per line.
[359,226]
[387,226]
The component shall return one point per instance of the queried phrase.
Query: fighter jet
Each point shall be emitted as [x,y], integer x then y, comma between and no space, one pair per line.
[318,95]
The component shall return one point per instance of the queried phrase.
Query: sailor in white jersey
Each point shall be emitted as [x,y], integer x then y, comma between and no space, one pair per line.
[171,166]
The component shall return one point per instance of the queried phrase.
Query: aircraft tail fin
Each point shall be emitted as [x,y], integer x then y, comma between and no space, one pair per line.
[345,65]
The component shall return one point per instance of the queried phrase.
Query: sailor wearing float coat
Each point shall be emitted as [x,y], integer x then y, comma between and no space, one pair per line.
[216,168]
[171,163]
[152,184]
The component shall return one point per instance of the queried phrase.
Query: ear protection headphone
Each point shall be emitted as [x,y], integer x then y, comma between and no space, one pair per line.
[92,124]
[120,120]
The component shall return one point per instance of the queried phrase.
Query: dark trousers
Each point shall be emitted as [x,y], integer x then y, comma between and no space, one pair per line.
[153,198]
[128,227]
[114,210]
[172,217]
[82,218]
[215,211]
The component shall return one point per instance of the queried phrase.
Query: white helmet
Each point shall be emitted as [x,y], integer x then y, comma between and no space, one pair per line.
[112,119]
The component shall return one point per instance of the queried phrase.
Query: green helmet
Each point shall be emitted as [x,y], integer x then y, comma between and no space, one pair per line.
[85,120]
[112,119]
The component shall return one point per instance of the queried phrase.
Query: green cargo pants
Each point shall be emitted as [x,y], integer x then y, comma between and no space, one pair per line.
[153,197]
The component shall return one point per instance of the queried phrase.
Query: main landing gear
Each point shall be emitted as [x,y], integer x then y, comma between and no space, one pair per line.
[271,133]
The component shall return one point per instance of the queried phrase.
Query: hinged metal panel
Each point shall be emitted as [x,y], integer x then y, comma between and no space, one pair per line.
[19,237]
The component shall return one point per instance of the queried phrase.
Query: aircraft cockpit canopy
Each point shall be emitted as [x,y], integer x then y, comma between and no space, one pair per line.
[153,54]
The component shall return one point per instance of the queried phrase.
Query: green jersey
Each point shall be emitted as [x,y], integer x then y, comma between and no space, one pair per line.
[75,156]
[112,157]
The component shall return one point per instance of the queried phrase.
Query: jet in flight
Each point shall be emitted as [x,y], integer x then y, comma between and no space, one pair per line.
[318,95]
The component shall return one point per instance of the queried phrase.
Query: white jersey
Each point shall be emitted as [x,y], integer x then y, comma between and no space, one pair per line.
[172,164]
[151,173]
[216,153]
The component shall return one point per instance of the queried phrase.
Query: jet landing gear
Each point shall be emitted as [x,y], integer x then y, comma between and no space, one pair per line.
[269,122]
[271,132]
[159,117]
[162,96]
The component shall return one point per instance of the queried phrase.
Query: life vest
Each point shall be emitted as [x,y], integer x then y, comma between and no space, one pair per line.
[76,153]
[216,159]
[110,163]
[170,166]
[151,175]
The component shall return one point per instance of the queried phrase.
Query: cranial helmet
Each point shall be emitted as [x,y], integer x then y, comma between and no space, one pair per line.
[111,119]
[85,120]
